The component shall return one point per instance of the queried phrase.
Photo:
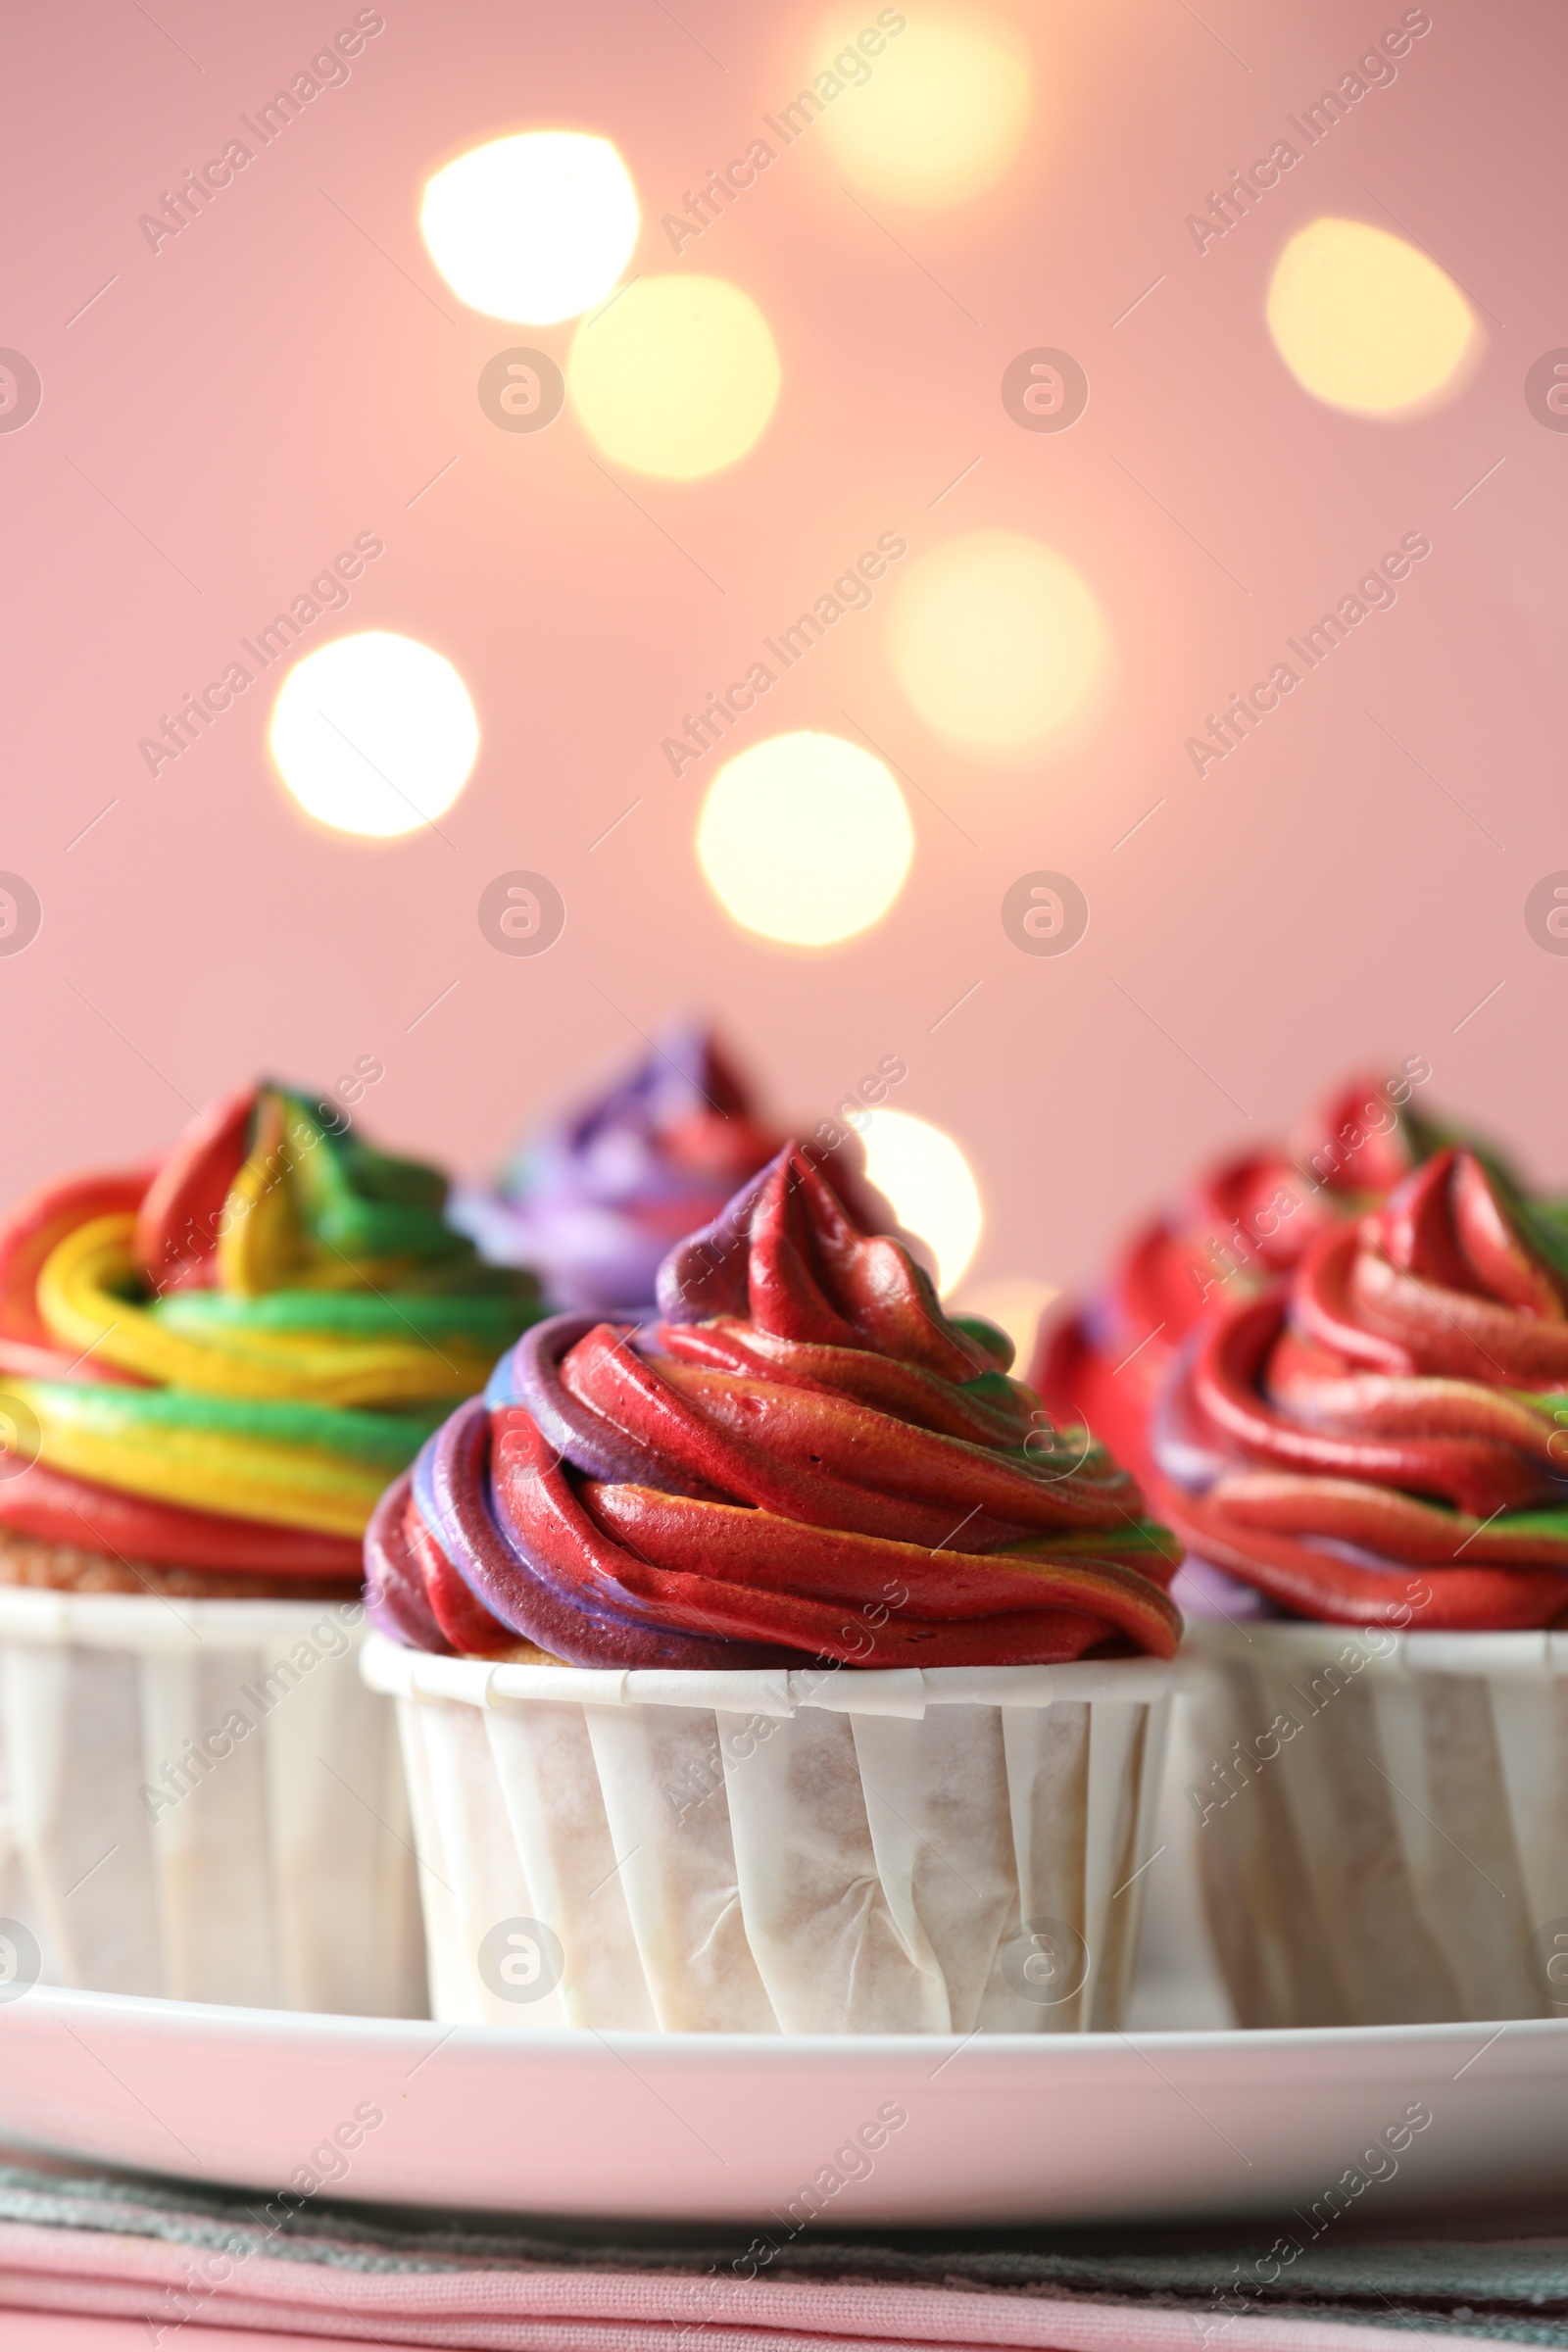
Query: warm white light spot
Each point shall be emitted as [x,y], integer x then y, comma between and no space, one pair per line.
[1367,322]
[996,640]
[804,838]
[375,734]
[1015,1304]
[535,228]
[937,113]
[930,1185]
[677,377]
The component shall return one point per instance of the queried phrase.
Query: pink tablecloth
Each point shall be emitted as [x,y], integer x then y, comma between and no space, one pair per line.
[168,2289]
[90,2262]
[49,2331]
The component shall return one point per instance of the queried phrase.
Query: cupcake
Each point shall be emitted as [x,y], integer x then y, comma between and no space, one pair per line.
[208,1371]
[779,1669]
[1377,1442]
[591,1203]
[1248,1219]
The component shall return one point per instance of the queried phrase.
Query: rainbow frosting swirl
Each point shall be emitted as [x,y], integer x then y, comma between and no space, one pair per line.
[219,1362]
[1246,1221]
[1383,1438]
[807,1458]
[592,1203]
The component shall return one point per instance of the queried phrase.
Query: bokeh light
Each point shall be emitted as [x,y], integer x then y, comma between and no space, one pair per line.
[996,640]
[375,734]
[1367,322]
[930,1185]
[677,376]
[1014,1302]
[806,839]
[936,111]
[535,228]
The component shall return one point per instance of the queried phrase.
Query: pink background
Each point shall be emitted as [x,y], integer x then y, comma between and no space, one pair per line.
[277,380]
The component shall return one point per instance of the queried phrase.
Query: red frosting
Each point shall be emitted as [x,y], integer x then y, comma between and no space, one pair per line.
[824,1466]
[1399,1403]
[1250,1219]
[27,1236]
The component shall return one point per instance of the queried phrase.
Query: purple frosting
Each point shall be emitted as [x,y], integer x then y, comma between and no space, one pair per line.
[394,1588]
[455,1498]
[705,1274]
[593,1201]
[531,1377]
[708,1273]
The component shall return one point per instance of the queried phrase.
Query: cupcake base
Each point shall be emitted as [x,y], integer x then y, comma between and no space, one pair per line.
[33,1562]
[1380,1822]
[199,1799]
[818,1851]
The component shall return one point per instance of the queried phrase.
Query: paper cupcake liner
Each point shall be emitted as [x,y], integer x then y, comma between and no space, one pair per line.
[1178,1984]
[201,1800]
[1382,1822]
[818,1851]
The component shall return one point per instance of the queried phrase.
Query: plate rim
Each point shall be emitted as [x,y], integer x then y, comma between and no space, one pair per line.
[150,2011]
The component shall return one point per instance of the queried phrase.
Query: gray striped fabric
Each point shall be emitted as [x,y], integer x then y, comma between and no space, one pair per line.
[1469,2281]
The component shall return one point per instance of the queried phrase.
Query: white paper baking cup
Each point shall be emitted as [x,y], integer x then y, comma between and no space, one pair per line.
[816,1851]
[1400,1856]
[280,1874]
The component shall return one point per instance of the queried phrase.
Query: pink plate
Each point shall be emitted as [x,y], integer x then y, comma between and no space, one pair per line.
[997,2127]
